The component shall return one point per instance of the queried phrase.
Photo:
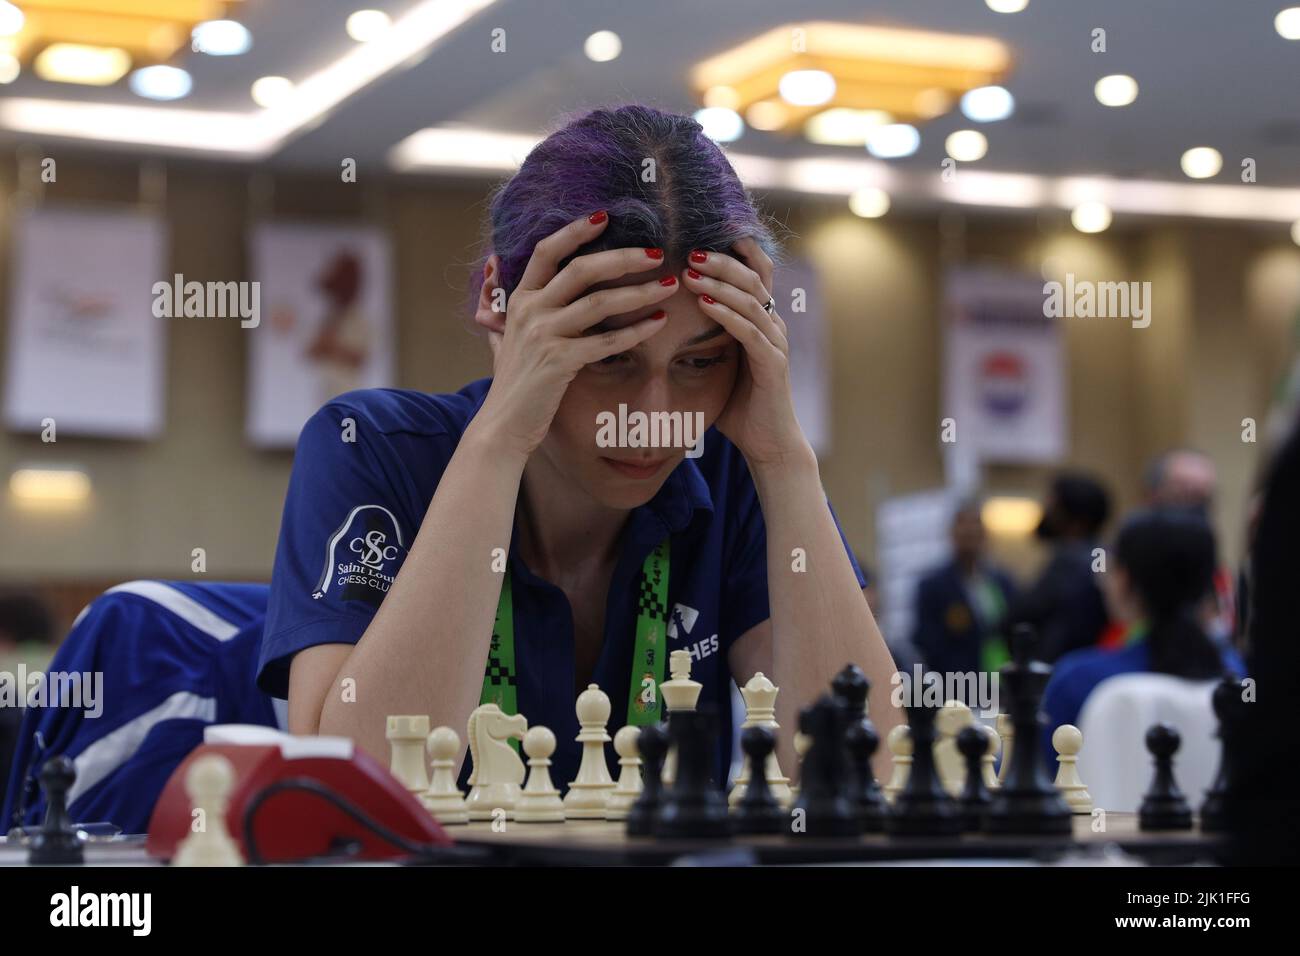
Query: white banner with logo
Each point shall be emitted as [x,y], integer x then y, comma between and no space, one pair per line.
[85,349]
[1004,375]
[326,325]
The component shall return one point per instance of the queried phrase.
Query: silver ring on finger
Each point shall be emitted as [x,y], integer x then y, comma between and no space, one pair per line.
[770,306]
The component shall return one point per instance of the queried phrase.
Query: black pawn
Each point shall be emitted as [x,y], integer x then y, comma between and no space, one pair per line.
[851,688]
[652,745]
[824,803]
[1164,807]
[56,842]
[1028,801]
[975,798]
[693,807]
[1227,707]
[758,810]
[923,807]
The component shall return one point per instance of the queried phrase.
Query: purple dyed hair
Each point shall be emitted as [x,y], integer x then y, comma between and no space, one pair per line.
[600,161]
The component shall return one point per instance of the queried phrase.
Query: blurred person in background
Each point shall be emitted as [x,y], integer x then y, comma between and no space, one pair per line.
[26,630]
[1065,605]
[1164,560]
[962,605]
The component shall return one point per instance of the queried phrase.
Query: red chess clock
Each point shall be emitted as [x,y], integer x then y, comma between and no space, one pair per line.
[293,824]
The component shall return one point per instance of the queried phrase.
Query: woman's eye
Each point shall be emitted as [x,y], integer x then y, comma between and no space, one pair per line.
[612,361]
[700,363]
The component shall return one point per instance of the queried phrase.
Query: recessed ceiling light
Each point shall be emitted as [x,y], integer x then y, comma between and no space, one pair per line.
[364,25]
[1118,89]
[270,90]
[1091,216]
[603,46]
[221,38]
[988,104]
[161,83]
[966,145]
[1287,23]
[11,19]
[893,141]
[9,68]
[807,87]
[82,63]
[842,126]
[44,486]
[1202,162]
[1006,6]
[720,124]
[869,202]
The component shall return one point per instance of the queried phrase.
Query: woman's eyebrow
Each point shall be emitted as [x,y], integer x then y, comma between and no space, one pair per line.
[704,336]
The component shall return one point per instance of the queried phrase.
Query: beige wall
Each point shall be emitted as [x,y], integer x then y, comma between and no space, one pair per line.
[1225,302]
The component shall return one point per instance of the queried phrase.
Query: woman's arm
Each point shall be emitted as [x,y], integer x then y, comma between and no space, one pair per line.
[819,620]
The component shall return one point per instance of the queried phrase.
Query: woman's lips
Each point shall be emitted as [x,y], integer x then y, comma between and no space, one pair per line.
[635,469]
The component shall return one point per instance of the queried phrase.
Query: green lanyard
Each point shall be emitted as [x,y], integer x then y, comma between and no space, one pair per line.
[648,657]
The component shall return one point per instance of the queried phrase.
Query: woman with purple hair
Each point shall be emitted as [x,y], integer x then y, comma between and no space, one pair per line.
[632,480]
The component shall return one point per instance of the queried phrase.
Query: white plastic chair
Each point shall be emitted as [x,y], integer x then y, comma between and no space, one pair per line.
[1114,762]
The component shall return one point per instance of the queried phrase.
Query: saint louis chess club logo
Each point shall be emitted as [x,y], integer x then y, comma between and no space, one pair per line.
[1003,383]
[362,556]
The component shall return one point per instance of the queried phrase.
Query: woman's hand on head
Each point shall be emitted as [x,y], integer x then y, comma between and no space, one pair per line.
[539,344]
[759,418]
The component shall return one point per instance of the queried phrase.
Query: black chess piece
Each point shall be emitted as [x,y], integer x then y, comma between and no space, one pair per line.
[56,842]
[1163,806]
[1227,703]
[652,745]
[851,687]
[758,810]
[1028,801]
[923,807]
[694,806]
[972,743]
[825,807]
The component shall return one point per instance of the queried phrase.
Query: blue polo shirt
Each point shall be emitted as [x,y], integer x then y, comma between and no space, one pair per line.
[366,468]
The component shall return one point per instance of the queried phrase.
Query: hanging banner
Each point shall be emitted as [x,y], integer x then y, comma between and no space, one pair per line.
[325,293]
[86,350]
[1004,377]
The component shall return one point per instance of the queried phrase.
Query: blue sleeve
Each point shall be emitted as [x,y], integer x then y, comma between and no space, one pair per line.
[744,583]
[343,537]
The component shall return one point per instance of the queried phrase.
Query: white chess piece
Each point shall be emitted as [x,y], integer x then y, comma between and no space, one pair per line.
[802,744]
[760,711]
[951,720]
[680,693]
[986,762]
[539,801]
[406,735]
[590,790]
[443,799]
[1068,741]
[900,746]
[208,783]
[498,771]
[629,777]
[1007,731]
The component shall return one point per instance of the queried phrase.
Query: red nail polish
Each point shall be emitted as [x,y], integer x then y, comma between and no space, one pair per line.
[661,314]
[698,256]
[709,299]
[668,281]
[692,273]
[597,217]
[655,253]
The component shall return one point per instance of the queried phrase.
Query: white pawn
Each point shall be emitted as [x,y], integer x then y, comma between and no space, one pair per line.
[406,737]
[760,711]
[590,790]
[1007,730]
[952,718]
[680,693]
[443,798]
[208,783]
[1068,741]
[629,777]
[900,746]
[986,762]
[802,744]
[539,801]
